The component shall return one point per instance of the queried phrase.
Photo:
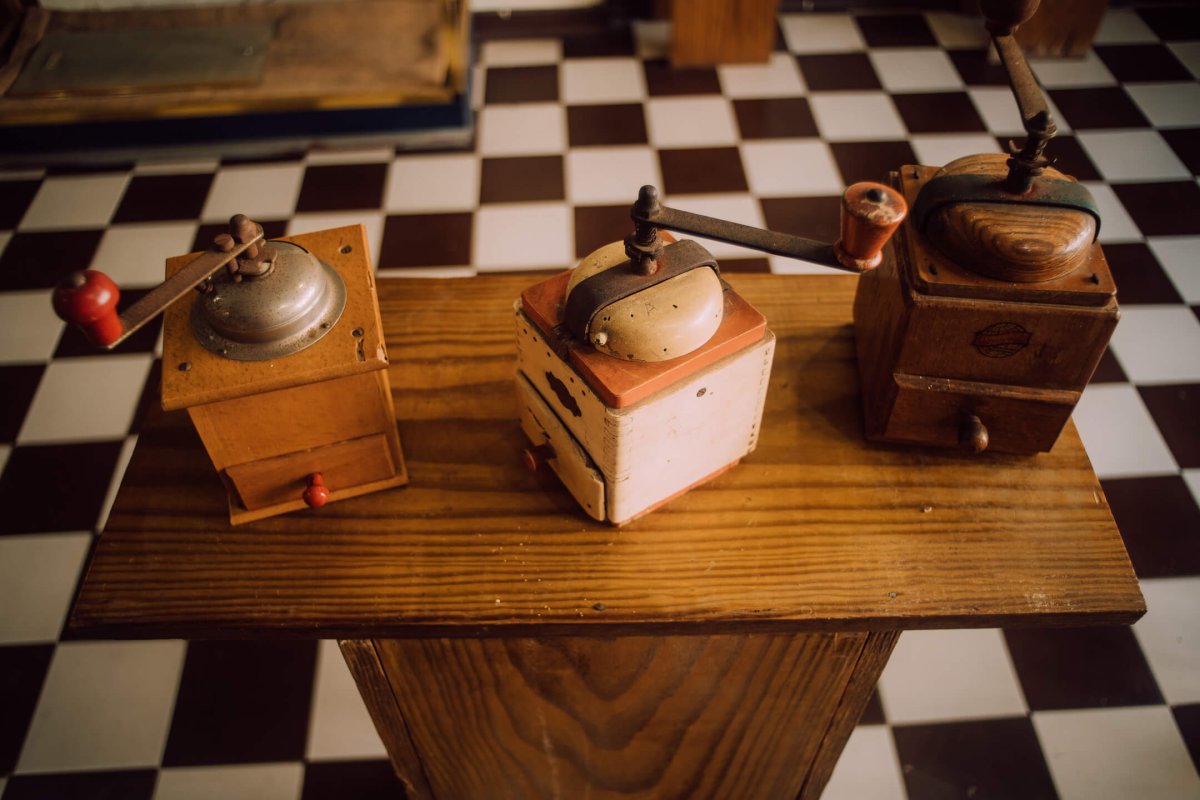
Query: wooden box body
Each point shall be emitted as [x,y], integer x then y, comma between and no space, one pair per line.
[628,437]
[938,343]
[267,425]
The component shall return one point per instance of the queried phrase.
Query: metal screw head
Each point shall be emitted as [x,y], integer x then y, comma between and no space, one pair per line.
[346,249]
[357,333]
[184,366]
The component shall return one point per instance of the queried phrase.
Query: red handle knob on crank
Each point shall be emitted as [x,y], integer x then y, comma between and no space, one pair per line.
[89,299]
[871,212]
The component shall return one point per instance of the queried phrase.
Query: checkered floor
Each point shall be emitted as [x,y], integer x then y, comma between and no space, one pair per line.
[568,128]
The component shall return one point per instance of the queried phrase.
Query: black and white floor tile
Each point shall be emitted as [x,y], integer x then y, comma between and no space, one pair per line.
[568,127]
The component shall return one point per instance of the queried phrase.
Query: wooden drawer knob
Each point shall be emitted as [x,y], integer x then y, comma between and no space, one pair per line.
[973,434]
[316,495]
[89,299]
[535,457]
[871,212]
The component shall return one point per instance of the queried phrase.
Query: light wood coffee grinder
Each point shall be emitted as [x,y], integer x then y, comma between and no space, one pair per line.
[641,373]
[983,327]
[278,358]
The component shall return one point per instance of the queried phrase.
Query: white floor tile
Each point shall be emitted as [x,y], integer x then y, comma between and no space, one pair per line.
[857,116]
[241,782]
[339,725]
[4,452]
[308,223]
[1170,632]
[85,399]
[868,768]
[957,31]
[105,705]
[1189,54]
[266,191]
[114,483]
[427,184]
[652,38]
[522,130]
[37,579]
[1168,105]
[1070,73]
[995,105]
[939,149]
[1118,433]
[1178,257]
[820,33]
[1135,155]
[604,175]
[31,328]
[1116,754]
[76,201]
[351,155]
[791,168]
[1124,26]
[464,271]
[779,77]
[947,675]
[1116,224]
[521,52]
[1158,344]
[524,236]
[601,80]
[690,122]
[740,208]
[135,255]
[915,69]
[790,266]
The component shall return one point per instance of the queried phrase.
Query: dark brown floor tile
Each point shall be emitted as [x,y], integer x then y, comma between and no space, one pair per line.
[272,229]
[1139,277]
[1186,144]
[596,226]
[1100,107]
[1162,209]
[1063,668]
[426,240]
[1188,719]
[1109,370]
[988,758]
[873,714]
[938,112]
[711,169]
[870,161]
[338,187]
[1142,62]
[838,72]
[18,383]
[663,79]
[361,780]
[134,784]
[616,42]
[152,198]
[15,197]
[1068,155]
[813,217]
[1173,22]
[242,702]
[56,487]
[1159,522]
[522,84]
[523,178]
[40,260]
[1176,412]
[774,118]
[22,671]
[606,125]
[74,343]
[746,265]
[976,70]
[896,30]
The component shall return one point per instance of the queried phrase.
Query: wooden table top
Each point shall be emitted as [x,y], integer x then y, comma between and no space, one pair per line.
[816,530]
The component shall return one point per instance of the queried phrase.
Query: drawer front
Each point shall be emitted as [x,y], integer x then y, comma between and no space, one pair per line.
[571,462]
[282,479]
[1017,419]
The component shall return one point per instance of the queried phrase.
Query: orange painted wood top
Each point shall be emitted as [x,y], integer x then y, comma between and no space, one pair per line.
[815,530]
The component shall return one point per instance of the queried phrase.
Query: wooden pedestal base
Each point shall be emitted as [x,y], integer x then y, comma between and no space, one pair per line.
[740,715]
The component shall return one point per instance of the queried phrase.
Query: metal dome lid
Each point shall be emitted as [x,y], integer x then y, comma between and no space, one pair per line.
[261,317]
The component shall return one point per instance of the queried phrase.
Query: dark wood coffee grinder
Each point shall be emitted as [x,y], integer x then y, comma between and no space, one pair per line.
[985,323]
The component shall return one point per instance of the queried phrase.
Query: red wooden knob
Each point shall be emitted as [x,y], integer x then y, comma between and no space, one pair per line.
[89,299]
[316,495]
[534,457]
[871,212]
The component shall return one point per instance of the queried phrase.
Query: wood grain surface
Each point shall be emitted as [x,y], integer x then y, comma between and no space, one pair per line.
[817,530]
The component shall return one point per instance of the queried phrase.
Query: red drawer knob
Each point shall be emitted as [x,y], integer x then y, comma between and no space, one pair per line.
[871,212]
[534,457]
[89,299]
[316,495]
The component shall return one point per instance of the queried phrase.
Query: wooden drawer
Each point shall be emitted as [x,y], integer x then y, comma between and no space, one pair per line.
[282,479]
[1018,419]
